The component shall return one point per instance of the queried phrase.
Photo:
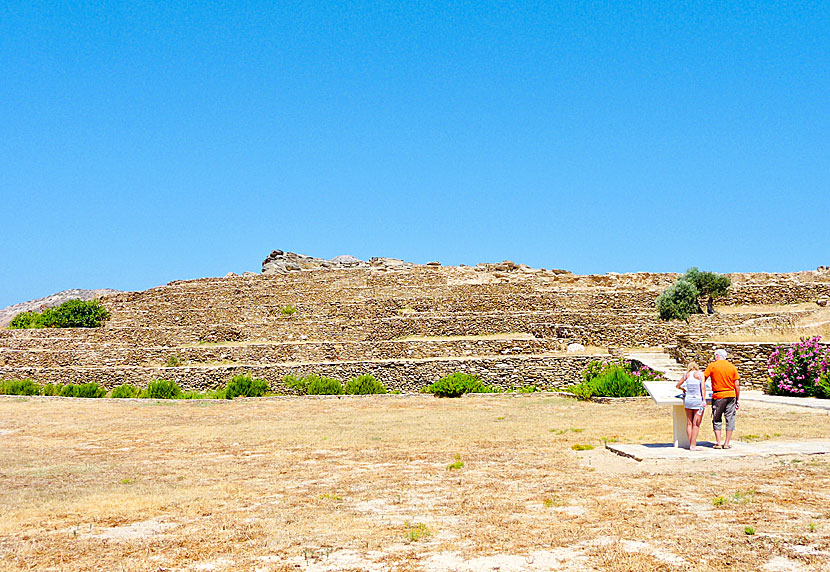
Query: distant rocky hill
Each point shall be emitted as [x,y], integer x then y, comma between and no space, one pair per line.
[280,262]
[6,314]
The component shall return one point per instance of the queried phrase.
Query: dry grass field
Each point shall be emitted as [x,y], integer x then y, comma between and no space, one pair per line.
[396,483]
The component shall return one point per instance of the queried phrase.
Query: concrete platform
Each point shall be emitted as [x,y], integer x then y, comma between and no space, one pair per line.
[809,402]
[641,452]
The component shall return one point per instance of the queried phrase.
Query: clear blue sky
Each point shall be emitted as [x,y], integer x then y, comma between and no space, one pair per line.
[142,143]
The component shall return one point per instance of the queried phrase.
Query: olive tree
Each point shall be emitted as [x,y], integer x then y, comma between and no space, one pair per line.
[680,300]
[710,285]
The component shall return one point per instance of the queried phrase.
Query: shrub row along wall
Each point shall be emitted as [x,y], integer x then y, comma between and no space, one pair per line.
[749,357]
[407,376]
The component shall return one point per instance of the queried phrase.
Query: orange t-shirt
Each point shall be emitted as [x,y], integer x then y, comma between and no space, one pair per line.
[724,375]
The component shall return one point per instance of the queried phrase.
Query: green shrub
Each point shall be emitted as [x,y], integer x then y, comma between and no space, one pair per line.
[678,301]
[19,387]
[245,386]
[70,314]
[319,385]
[126,391]
[27,320]
[527,389]
[313,384]
[457,384]
[162,389]
[584,391]
[174,361]
[614,381]
[68,390]
[215,393]
[823,386]
[91,389]
[52,389]
[292,381]
[364,385]
[582,447]
[288,310]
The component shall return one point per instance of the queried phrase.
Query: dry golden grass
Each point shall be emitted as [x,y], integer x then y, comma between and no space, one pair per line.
[766,308]
[365,483]
[816,323]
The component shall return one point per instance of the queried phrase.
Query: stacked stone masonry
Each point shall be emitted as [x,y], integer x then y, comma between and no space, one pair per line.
[407,325]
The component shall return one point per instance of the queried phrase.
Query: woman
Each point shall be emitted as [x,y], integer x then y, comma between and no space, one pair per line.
[694,401]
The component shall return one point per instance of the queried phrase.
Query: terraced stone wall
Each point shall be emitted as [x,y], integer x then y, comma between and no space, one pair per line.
[273,353]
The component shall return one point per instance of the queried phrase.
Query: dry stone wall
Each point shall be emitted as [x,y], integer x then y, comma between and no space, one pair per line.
[357,318]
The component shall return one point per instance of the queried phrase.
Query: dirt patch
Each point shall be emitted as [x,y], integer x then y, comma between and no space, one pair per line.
[135,530]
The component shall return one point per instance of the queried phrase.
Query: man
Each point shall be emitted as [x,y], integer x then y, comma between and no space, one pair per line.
[725,393]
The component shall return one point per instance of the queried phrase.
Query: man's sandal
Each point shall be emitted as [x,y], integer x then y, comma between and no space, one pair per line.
[717,446]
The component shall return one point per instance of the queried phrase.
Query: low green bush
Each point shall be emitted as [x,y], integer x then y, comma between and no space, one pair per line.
[19,387]
[320,385]
[91,389]
[527,389]
[313,384]
[27,320]
[126,391]
[162,389]
[678,301]
[245,386]
[296,383]
[288,310]
[457,384]
[52,389]
[364,385]
[70,314]
[614,381]
[823,386]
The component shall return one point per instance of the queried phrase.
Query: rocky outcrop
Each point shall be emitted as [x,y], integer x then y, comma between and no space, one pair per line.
[8,313]
[280,262]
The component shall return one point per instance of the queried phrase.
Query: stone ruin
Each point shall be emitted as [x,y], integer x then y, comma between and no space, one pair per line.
[407,324]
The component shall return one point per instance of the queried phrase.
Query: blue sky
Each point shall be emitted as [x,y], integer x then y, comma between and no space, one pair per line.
[142,142]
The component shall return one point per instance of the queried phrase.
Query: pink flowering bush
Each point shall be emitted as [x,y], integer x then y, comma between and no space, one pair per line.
[645,373]
[801,369]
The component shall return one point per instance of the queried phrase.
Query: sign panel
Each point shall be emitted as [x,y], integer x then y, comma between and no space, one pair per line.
[664,393]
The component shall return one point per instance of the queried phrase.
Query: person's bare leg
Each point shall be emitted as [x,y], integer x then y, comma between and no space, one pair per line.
[690,423]
[717,436]
[695,431]
[728,438]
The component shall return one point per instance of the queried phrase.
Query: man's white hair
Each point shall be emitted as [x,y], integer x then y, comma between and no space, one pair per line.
[720,353]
